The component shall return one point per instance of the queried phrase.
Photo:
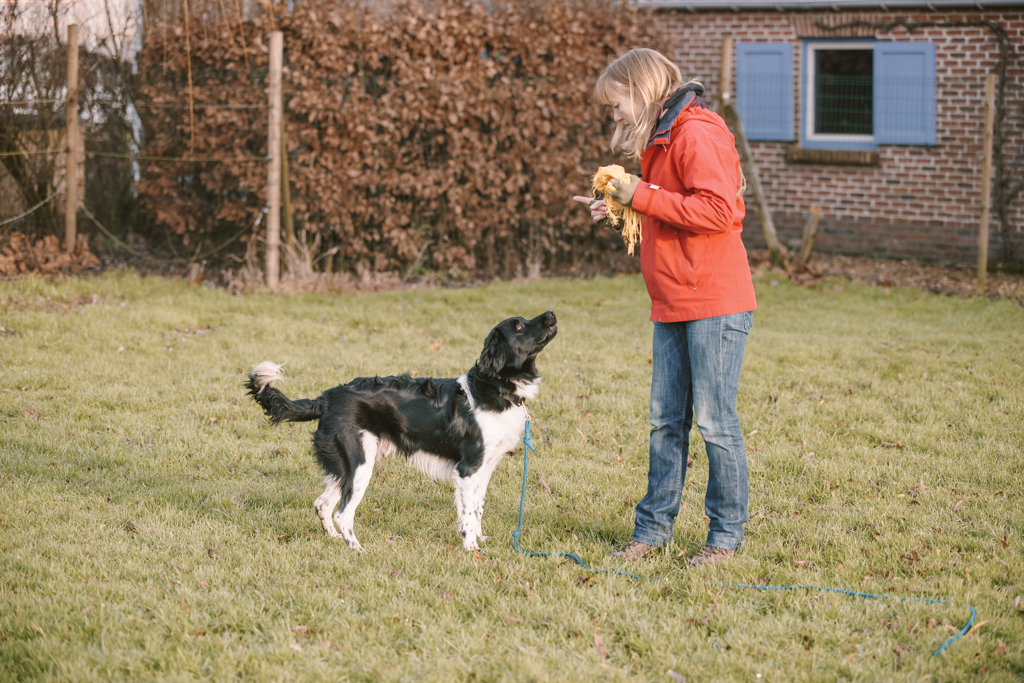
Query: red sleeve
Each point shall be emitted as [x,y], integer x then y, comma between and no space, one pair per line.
[710,170]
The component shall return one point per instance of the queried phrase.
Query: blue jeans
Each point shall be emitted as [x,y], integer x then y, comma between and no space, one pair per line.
[696,373]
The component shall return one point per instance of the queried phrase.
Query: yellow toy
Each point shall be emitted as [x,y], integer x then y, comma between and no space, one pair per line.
[616,212]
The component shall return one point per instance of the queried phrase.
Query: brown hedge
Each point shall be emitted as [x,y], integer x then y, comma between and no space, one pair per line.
[446,127]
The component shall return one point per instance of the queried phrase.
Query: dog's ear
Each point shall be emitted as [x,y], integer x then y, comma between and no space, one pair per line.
[496,354]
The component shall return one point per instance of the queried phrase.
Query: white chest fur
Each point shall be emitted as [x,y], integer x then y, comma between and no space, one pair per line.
[501,431]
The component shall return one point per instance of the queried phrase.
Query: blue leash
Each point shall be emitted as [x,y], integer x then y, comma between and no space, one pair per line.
[528,446]
[963,631]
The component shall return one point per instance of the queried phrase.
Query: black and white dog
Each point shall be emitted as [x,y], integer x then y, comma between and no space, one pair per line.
[457,429]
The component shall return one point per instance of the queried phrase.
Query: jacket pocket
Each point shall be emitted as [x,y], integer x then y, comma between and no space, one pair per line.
[694,252]
[683,271]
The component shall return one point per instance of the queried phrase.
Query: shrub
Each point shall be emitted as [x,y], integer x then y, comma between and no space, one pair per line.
[448,129]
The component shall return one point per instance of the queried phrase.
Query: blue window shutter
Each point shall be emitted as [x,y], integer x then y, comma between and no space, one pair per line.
[904,93]
[764,90]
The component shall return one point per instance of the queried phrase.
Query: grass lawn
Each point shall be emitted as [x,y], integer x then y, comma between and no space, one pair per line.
[153,525]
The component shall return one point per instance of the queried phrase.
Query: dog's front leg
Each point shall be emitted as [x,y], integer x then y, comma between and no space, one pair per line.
[467,502]
[484,479]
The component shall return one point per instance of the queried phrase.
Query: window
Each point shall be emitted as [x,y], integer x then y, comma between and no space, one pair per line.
[840,92]
[855,94]
[861,94]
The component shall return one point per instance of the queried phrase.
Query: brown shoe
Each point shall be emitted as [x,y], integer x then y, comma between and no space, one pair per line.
[635,550]
[709,554]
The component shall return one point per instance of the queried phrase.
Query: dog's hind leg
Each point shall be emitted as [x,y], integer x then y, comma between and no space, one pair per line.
[326,503]
[346,514]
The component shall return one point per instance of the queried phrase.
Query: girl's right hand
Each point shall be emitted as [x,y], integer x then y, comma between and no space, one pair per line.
[597,208]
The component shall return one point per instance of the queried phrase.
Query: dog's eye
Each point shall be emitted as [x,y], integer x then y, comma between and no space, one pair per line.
[519,326]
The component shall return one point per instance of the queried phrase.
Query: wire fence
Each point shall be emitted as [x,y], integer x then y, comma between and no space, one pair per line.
[461,185]
[843,105]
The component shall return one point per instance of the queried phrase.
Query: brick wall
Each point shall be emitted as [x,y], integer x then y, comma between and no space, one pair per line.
[919,201]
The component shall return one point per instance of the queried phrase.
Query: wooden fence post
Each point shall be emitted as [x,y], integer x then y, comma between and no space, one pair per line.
[732,119]
[807,243]
[725,74]
[274,163]
[986,181]
[71,135]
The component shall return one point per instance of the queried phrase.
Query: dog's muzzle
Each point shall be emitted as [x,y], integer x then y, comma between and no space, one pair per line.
[550,323]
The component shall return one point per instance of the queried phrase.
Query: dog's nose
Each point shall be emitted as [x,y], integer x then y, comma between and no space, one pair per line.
[549,316]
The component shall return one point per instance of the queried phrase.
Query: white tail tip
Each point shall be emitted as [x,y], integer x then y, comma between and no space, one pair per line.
[265,374]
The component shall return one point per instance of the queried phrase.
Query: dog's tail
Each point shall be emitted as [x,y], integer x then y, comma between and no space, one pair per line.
[279,407]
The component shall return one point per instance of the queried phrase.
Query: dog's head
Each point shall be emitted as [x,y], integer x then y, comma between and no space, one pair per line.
[513,344]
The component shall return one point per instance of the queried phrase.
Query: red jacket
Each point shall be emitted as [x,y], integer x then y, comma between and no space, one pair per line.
[691,254]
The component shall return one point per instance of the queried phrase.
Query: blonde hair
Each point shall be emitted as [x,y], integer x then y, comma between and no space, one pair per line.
[649,77]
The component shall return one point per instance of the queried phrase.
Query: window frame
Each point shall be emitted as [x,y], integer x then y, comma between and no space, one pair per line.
[808,138]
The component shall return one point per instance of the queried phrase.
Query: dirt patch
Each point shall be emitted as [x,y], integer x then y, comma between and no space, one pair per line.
[959,279]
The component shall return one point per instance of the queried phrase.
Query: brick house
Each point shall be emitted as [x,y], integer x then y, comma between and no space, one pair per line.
[879,125]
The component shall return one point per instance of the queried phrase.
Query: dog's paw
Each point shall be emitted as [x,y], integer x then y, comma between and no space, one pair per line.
[481,539]
[354,545]
[470,547]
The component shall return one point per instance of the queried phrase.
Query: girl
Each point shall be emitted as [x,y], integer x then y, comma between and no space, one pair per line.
[695,267]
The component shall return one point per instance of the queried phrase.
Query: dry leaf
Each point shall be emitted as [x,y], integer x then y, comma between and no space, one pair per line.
[599,647]
[976,627]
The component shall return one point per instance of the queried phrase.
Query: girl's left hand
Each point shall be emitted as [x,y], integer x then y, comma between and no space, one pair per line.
[623,192]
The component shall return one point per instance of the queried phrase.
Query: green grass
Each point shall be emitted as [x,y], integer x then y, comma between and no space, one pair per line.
[154,526]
